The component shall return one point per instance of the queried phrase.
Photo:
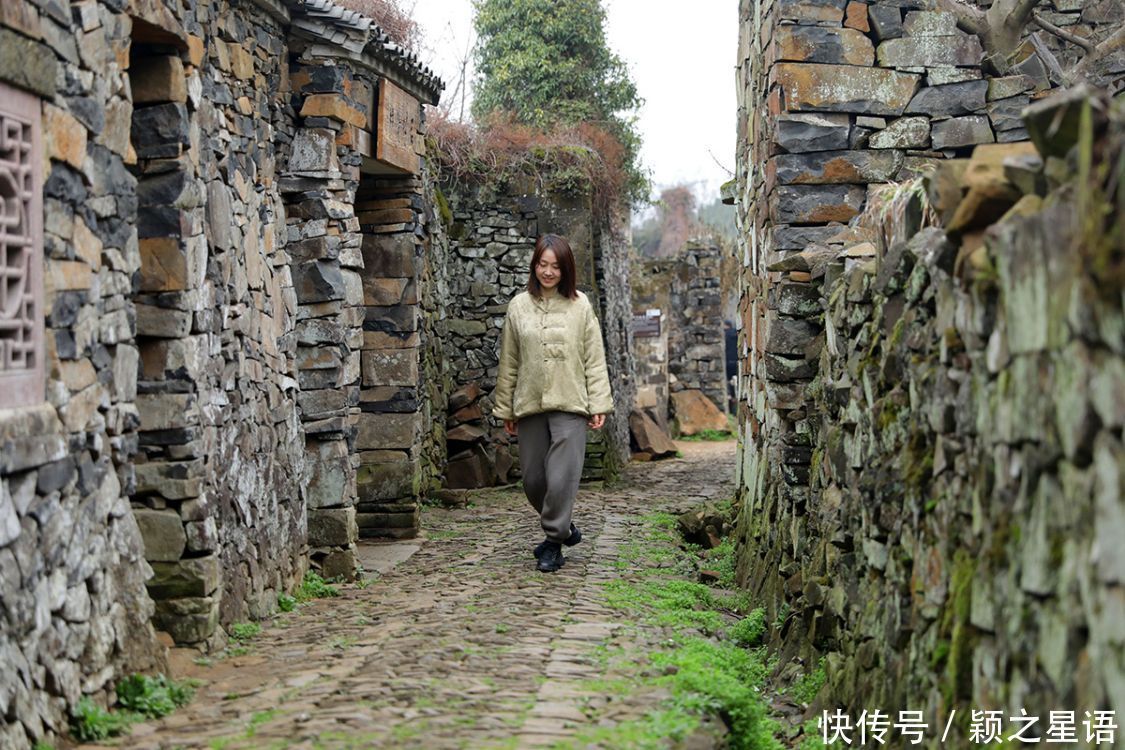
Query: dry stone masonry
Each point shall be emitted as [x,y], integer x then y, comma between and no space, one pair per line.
[686,363]
[930,373]
[491,240]
[238,315]
[222,244]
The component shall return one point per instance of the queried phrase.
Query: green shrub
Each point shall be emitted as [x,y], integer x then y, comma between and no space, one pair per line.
[750,629]
[314,587]
[153,697]
[139,696]
[805,689]
[286,603]
[244,631]
[92,723]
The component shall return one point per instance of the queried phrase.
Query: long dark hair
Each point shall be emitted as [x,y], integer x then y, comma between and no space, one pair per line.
[568,284]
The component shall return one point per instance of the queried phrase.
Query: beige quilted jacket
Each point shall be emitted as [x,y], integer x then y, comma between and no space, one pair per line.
[551,359]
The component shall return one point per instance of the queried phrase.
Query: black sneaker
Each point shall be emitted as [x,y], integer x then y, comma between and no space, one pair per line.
[574,538]
[552,557]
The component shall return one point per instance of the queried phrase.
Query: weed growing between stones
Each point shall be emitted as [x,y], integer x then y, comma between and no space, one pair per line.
[805,689]
[286,603]
[92,723]
[139,697]
[314,587]
[750,630]
[704,665]
[714,436]
[722,561]
[245,631]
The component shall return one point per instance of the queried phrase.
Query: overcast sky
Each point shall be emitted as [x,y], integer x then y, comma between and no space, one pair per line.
[681,55]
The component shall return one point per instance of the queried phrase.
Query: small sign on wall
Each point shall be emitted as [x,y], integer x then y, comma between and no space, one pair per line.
[396,128]
[647,324]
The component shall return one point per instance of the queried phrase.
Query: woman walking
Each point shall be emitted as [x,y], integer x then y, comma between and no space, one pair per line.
[551,385]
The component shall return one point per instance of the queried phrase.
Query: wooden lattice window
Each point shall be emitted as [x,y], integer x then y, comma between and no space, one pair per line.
[21,250]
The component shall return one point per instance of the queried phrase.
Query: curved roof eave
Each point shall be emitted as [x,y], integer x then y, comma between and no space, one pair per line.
[360,39]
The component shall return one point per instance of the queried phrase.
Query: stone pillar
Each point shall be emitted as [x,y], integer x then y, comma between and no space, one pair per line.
[175,324]
[324,247]
[393,406]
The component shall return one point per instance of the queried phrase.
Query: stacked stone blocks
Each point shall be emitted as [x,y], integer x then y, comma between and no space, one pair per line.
[873,432]
[393,401]
[690,353]
[491,242]
[204,318]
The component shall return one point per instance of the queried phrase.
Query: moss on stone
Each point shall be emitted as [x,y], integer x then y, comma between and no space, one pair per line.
[897,332]
[444,211]
[888,413]
[940,655]
[918,462]
[958,683]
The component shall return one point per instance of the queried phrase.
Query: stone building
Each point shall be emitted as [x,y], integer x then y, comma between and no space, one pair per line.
[931,449]
[216,323]
[688,351]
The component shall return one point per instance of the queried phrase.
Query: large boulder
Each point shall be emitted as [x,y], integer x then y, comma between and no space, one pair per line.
[651,440]
[694,413]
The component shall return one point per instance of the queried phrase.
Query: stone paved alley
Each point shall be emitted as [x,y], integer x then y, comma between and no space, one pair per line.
[449,648]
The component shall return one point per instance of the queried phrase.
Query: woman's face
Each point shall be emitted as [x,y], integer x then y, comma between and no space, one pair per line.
[547,270]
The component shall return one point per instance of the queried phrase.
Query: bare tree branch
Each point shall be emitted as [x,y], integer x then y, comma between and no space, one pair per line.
[969,19]
[1049,60]
[1020,13]
[1066,36]
[1006,21]
[1109,45]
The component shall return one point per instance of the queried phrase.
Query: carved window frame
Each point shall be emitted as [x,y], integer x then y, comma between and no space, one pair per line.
[22,302]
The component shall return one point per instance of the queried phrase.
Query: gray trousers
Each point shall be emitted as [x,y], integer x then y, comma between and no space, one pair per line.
[552,451]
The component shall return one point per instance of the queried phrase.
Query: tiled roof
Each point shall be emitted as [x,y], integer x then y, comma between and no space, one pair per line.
[358,33]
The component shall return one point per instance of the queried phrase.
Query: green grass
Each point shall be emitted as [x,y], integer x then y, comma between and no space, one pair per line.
[343,642]
[259,718]
[314,587]
[92,723]
[153,697]
[750,630]
[722,560]
[679,604]
[286,603]
[805,689]
[245,631]
[139,697]
[709,436]
[812,739]
[704,674]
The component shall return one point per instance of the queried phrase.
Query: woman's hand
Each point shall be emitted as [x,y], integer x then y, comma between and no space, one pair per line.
[511,427]
[596,422]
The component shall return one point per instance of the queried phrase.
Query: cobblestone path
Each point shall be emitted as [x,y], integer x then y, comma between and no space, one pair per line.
[464,644]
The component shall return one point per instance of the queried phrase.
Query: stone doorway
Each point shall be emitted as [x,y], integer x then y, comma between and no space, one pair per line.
[392,398]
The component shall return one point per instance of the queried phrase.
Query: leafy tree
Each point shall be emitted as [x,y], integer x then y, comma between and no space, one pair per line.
[546,63]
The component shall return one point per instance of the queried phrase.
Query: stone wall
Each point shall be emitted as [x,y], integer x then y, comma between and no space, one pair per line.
[687,290]
[651,350]
[900,495]
[218,426]
[198,404]
[491,241]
